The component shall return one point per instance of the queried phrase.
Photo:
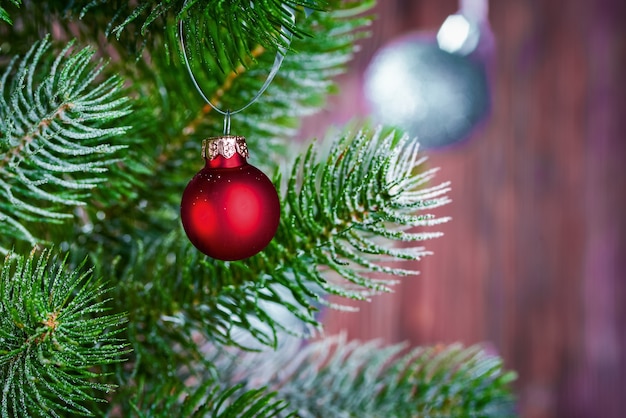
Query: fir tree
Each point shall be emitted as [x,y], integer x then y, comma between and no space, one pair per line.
[106,309]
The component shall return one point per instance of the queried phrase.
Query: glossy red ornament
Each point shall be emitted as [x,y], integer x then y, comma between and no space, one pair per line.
[230,210]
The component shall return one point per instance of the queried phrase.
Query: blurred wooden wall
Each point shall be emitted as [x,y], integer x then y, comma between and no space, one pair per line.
[534,262]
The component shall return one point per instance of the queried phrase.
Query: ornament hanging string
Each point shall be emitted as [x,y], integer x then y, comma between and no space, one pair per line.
[278,60]
[230,210]
[477,9]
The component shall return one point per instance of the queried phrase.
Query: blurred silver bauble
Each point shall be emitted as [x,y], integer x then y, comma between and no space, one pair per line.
[435,88]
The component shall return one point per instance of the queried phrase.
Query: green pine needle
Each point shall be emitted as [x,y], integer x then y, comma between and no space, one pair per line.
[55,336]
[245,22]
[355,210]
[4,15]
[336,378]
[207,399]
[335,209]
[54,133]
[348,211]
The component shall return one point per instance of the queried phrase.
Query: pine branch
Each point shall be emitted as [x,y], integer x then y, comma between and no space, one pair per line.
[234,28]
[336,378]
[354,381]
[209,308]
[55,335]
[169,118]
[348,213]
[334,214]
[299,89]
[53,134]
[206,399]
[4,15]
[349,210]
[244,23]
[303,82]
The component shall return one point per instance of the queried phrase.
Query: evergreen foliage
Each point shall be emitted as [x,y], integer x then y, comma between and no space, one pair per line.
[336,378]
[53,135]
[171,290]
[4,15]
[55,334]
[345,208]
[208,399]
[93,160]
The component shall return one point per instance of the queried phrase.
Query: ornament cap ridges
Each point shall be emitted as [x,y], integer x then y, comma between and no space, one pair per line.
[226,146]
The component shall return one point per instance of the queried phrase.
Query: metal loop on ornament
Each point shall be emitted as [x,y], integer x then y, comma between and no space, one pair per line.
[278,60]
[227,123]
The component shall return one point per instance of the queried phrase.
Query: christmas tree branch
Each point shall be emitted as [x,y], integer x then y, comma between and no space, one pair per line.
[55,335]
[330,239]
[139,24]
[53,134]
[315,59]
[164,112]
[247,23]
[336,378]
[366,380]
[359,200]
[206,399]
[354,209]
[4,15]
[171,289]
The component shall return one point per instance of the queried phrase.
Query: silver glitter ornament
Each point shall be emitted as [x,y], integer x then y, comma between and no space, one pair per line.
[434,89]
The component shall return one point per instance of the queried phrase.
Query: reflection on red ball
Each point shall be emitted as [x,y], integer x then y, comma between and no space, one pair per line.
[230,210]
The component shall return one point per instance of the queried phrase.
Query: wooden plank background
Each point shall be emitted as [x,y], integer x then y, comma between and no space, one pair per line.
[533,264]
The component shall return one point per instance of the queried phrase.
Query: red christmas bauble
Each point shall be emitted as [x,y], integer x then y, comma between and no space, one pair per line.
[230,210]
